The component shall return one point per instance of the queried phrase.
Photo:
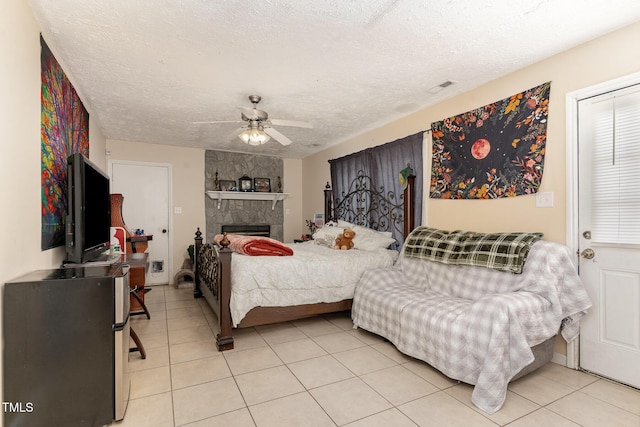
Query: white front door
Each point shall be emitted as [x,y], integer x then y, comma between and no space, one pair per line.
[609,224]
[146,206]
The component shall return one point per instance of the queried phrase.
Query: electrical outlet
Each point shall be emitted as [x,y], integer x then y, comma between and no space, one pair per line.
[177,210]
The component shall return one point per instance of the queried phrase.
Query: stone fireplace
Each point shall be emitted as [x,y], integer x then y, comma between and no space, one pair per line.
[232,166]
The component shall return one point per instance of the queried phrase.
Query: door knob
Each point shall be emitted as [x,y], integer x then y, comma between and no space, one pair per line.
[588,253]
[164,230]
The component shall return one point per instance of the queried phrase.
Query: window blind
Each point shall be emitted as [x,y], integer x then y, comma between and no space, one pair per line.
[615,167]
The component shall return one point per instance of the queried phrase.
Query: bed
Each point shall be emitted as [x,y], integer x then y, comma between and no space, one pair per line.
[244,291]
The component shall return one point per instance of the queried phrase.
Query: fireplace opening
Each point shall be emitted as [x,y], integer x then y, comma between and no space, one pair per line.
[263,230]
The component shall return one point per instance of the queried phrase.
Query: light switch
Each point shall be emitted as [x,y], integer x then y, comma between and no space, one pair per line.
[544,199]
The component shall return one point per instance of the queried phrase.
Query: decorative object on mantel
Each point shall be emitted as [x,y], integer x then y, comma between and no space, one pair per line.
[227,185]
[244,183]
[216,183]
[262,184]
[493,151]
[279,185]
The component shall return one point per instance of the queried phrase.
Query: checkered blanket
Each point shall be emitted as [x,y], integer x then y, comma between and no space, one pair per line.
[500,251]
[474,324]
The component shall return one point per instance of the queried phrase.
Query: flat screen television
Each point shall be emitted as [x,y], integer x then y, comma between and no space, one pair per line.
[88,216]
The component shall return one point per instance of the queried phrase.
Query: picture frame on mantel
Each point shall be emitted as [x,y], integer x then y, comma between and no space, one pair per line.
[227,185]
[245,183]
[262,185]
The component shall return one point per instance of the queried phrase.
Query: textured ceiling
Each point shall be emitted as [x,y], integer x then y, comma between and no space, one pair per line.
[147,70]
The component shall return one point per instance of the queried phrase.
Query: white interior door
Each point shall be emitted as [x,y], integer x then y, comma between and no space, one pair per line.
[146,206]
[609,223]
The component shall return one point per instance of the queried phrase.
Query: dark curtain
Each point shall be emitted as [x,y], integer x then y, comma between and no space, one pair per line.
[383,165]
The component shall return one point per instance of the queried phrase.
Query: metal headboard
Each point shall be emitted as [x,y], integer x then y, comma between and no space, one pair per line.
[367,205]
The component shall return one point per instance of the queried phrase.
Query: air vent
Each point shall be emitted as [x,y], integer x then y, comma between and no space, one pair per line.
[441,86]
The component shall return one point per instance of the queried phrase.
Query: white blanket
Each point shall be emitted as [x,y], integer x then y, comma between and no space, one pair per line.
[313,274]
[474,324]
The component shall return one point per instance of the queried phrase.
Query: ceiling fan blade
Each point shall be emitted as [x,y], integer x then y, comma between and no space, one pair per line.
[292,123]
[277,136]
[235,133]
[246,110]
[253,113]
[215,122]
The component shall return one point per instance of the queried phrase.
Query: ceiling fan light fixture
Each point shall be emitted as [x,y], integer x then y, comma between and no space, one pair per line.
[254,136]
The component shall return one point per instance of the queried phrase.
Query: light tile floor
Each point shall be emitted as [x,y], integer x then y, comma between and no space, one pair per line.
[322,372]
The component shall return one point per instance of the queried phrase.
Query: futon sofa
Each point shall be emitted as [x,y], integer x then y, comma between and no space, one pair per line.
[477,307]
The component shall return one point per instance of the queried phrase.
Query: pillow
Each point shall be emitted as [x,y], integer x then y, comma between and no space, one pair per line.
[326,236]
[345,224]
[366,239]
[371,240]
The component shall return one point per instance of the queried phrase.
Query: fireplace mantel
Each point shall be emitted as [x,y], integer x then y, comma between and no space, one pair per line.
[246,195]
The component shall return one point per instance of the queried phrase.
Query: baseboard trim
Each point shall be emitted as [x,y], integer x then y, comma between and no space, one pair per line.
[560,359]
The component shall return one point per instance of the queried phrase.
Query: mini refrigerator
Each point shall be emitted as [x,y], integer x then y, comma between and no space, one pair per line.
[66,347]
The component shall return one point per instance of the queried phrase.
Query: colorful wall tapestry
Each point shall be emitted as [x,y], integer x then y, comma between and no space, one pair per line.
[493,151]
[64,130]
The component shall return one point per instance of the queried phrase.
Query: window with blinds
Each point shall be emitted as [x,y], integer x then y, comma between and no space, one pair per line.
[614,122]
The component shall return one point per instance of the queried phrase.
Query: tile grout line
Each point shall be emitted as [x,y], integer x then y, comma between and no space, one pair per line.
[166,320]
[369,345]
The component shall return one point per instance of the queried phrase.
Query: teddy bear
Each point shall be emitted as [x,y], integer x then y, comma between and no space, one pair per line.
[345,239]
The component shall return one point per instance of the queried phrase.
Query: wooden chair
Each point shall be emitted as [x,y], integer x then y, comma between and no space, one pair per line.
[118,236]
[139,347]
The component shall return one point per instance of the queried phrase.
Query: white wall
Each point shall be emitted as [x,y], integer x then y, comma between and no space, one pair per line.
[20,218]
[606,58]
[187,166]
[292,184]
[602,59]
[189,186]
[20,133]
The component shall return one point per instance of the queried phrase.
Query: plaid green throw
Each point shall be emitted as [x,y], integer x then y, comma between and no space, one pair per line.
[500,251]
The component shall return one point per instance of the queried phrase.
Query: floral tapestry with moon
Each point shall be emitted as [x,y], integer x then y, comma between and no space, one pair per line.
[64,130]
[493,151]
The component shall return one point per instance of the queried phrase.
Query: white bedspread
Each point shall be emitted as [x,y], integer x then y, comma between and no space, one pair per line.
[313,274]
[474,324]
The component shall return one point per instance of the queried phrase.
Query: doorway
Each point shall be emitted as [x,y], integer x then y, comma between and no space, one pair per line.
[604,224]
[146,188]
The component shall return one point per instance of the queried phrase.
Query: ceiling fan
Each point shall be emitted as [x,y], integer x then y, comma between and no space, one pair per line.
[258,128]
